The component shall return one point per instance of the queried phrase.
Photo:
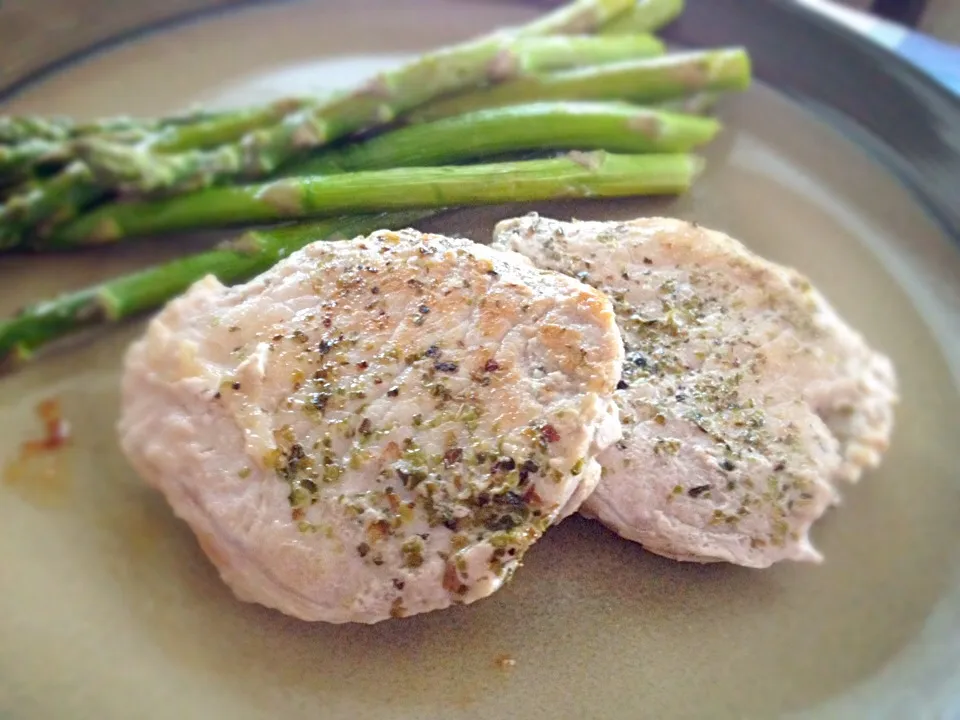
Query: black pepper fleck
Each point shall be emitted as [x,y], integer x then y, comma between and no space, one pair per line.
[504,464]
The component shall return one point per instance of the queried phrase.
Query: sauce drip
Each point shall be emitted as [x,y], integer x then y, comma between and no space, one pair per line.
[39,473]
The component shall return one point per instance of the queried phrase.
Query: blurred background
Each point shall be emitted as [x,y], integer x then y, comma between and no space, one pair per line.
[939,18]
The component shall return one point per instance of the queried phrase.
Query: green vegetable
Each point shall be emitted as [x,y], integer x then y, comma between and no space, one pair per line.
[124,297]
[616,127]
[645,16]
[649,80]
[576,175]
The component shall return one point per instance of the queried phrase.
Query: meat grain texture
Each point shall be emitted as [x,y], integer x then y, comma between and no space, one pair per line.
[375,427]
[745,398]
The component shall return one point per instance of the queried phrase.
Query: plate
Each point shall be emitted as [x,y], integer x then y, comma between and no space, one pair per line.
[831,163]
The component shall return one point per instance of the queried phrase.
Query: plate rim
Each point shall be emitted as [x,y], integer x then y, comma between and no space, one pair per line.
[921,98]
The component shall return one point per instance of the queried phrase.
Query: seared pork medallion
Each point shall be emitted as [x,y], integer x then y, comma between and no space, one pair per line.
[744,399]
[375,427]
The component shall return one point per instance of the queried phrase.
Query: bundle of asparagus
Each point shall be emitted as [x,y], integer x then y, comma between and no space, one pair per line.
[589,80]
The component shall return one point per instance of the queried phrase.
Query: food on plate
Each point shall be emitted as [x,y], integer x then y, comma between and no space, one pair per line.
[381,426]
[644,16]
[157,156]
[531,127]
[745,398]
[595,174]
[56,169]
[375,427]
[285,169]
[648,80]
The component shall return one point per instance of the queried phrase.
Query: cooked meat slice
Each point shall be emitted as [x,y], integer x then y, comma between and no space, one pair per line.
[744,397]
[375,427]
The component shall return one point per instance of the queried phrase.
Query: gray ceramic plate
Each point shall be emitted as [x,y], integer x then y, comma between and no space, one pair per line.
[841,166]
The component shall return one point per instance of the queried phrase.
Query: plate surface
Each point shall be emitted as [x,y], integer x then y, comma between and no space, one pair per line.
[109,610]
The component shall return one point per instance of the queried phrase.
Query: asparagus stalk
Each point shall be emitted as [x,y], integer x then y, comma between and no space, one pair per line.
[578,17]
[21,129]
[60,198]
[127,296]
[218,128]
[645,16]
[697,104]
[576,175]
[533,54]
[490,59]
[18,161]
[75,188]
[562,52]
[615,127]
[648,80]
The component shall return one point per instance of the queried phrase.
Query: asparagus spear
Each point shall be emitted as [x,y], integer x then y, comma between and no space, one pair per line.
[61,198]
[578,17]
[697,104]
[218,128]
[575,175]
[74,188]
[612,126]
[648,80]
[127,296]
[645,16]
[18,161]
[20,129]
[57,129]
[532,54]
[493,58]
